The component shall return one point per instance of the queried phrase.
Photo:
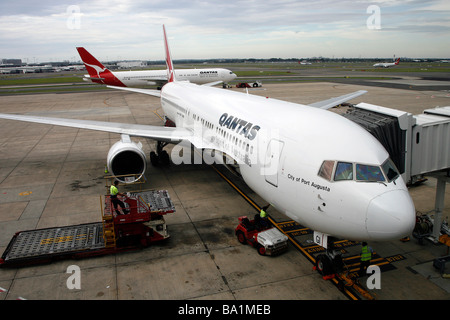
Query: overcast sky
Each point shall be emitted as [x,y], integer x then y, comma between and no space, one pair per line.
[49,30]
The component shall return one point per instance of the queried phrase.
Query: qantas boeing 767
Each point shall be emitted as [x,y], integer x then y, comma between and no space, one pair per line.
[313,165]
[387,64]
[98,73]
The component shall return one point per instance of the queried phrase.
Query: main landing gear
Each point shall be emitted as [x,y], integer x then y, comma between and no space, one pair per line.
[160,157]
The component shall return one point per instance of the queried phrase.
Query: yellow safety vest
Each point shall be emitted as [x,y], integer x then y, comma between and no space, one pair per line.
[263,214]
[113,190]
[366,255]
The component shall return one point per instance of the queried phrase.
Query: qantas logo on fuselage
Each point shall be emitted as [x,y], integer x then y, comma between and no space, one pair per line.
[239,126]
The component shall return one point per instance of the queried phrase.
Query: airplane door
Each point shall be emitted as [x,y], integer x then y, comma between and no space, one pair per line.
[272,161]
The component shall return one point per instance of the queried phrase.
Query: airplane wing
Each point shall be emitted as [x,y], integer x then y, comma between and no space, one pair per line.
[155,93]
[166,134]
[153,81]
[210,84]
[329,103]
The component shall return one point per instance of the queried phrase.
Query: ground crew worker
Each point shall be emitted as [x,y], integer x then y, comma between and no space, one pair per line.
[366,256]
[263,213]
[262,221]
[114,191]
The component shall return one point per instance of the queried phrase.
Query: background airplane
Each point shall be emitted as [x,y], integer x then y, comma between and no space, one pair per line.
[316,167]
[387,64]
[98,73]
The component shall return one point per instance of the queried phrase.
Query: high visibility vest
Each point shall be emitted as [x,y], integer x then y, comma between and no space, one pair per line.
[113,190]
[366,255]
[262,214]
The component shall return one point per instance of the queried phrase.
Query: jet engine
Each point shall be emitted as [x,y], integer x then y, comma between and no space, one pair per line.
[126,160]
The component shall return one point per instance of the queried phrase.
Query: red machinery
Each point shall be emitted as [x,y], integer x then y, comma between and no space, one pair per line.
[143,225]
[261,235]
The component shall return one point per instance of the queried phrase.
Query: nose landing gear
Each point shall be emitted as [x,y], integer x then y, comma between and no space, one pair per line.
[329,263]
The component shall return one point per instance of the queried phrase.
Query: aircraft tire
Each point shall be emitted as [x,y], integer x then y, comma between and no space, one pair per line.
[154,159]
[324,265]
[164,157]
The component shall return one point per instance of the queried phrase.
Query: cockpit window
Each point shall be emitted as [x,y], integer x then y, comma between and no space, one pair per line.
[344,171]
[326,170]
[368,173]
[390,170]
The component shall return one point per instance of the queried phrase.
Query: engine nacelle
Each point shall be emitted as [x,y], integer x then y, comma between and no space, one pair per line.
[126,160]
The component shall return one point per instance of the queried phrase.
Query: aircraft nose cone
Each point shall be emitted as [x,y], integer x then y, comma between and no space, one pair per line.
[391,215]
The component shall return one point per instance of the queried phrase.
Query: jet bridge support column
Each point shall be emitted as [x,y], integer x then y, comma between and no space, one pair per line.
[442,180]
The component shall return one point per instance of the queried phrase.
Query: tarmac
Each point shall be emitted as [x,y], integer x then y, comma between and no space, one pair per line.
[54,176]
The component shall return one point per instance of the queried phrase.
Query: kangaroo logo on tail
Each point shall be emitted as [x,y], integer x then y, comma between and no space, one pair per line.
[90,61]
[98,73]
[96,68]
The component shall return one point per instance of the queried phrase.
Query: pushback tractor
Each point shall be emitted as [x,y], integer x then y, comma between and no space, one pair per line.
[117,232]
[266,239]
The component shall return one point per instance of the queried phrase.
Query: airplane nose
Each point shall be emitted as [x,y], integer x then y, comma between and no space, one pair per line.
[391,215]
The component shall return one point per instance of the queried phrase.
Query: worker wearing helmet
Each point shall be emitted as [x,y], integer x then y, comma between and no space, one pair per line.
[114,192]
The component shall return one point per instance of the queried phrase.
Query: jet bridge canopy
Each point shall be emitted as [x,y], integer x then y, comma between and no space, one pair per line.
[418,144]
[387,130]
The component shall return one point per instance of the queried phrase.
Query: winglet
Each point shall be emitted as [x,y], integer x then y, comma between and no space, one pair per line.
[170,69]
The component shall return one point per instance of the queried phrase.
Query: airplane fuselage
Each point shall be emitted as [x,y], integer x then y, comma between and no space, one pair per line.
[154,77]
[387,64]
[280,148]
[384,65]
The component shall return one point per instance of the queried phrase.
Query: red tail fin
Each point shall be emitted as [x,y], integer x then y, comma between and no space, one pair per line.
[398,61]
[93,66]
[170,69]
[98,72]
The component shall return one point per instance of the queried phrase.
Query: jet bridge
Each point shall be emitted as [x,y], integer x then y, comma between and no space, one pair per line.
[419,145]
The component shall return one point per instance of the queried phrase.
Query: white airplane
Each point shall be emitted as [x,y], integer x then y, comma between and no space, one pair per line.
[313,165]
[98,73]
[387,64]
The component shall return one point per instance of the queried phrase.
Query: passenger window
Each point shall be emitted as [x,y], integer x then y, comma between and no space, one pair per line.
[344,171]
[368,173]
[326,170]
